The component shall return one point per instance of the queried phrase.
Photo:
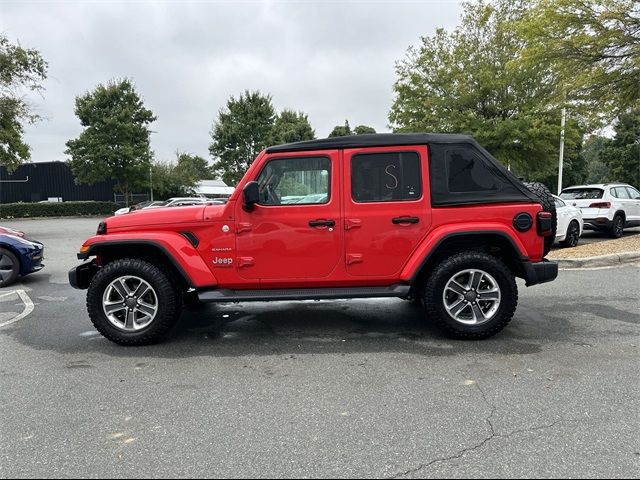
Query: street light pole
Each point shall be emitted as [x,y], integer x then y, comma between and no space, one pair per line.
[560,167]
[151,180]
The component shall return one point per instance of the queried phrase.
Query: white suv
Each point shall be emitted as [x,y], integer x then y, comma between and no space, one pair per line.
[608,207]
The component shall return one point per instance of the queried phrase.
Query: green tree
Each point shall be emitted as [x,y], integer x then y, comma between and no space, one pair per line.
[466,82]
[341,130]
[363,130]
[167,182]
[592,47]
[241,131]
[115,141]
[345,130]
[622,154]
[193,168]
[593,152]
[290,126]
[20,70]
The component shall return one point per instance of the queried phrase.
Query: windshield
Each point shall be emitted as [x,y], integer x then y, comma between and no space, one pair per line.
[582,194]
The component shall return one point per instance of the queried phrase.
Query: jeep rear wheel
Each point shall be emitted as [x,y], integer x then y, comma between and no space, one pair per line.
[471,295]
[548,205]
[133,302]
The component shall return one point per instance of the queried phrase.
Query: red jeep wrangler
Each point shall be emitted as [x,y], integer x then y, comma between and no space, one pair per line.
[415,216]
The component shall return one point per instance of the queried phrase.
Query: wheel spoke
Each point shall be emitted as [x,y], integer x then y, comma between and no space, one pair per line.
[120,287]
[456,287]
[476,279]
[129,319]
[457,307]
[478,314]
[114,307]
[146,309]
[141,290]
[5,261]
[490,295]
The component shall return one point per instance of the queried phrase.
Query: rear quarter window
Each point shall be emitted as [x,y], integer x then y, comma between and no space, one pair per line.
[620,192]
[462,174]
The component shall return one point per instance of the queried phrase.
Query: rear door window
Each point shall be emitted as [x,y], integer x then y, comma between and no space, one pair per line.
[386,177]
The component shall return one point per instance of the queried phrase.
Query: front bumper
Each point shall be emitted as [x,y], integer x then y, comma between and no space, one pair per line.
[539,272]
[80,276]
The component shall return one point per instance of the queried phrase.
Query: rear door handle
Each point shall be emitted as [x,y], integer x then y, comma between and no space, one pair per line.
[322,223]
[401,220]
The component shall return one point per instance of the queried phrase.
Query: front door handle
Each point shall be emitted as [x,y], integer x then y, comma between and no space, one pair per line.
[401,220]
[322,223]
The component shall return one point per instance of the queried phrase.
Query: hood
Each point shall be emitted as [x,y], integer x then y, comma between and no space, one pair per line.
[159,216]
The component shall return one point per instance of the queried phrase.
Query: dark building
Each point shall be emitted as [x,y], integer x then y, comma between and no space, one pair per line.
[34,182]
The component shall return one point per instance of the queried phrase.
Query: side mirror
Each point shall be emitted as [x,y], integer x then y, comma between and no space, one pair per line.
[251,193]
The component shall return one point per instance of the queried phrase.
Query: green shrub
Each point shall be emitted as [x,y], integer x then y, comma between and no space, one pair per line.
[56,209]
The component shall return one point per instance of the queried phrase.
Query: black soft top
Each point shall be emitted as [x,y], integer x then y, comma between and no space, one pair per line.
[373,140]
[444,148]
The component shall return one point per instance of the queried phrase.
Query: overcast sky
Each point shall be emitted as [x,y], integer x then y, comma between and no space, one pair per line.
[332,60]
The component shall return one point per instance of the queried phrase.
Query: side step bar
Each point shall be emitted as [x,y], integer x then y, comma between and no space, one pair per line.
[224,295]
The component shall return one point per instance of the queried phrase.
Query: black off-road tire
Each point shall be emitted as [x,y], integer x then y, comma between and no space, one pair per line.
[168,295]
[571,240]
[548,205]
[10,266]
[437,280]
[617,227]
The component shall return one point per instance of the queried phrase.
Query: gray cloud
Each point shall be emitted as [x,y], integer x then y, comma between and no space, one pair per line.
[333,60]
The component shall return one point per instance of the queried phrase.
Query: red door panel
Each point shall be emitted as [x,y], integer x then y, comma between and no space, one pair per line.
[387,208]
[291,241]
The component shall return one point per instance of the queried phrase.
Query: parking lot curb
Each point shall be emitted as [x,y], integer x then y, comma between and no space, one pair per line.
[599,261]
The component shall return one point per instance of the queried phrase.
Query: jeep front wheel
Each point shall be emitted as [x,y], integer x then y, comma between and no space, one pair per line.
[133,302]
[471,295]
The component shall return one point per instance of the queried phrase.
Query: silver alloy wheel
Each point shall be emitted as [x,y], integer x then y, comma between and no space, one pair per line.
[130,303]
[6,268]
[471,297]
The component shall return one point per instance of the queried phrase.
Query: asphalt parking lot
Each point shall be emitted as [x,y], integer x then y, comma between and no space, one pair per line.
[590,236]
[357,388]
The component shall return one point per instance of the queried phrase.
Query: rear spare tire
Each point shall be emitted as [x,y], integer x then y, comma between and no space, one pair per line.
[548,205]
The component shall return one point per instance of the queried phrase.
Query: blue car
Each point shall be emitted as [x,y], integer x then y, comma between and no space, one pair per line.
[18,256]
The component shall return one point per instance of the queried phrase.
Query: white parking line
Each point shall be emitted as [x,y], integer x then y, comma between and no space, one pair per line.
[28,307]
